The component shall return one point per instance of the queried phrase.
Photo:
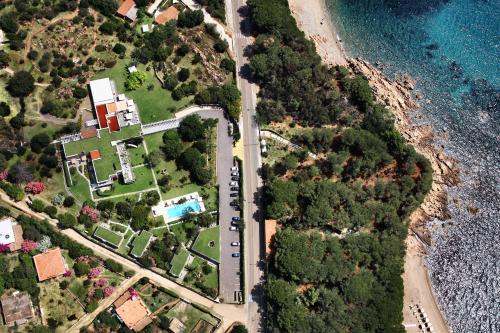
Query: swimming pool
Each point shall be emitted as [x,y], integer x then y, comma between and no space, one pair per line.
[177,211]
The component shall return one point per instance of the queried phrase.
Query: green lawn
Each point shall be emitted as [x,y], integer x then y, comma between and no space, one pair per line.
[108,236]
[190,315]
[137,155]
[207,243]
[140,243]
[143,180]
[154,105]
[80,188]
[178,262]
[123,249]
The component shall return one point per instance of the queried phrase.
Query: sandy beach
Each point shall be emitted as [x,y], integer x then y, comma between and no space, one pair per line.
[312,17]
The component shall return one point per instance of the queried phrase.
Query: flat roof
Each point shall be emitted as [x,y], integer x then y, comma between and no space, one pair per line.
[102,91]
[17,308]
[49,264]
[6,231]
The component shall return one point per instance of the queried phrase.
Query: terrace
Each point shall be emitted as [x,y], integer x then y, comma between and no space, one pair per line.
[174,209]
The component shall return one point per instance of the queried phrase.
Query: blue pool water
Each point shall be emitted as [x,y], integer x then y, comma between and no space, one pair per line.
[452,49]
[177,211]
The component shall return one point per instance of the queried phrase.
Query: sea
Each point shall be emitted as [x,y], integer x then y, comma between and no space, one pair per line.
[452,49]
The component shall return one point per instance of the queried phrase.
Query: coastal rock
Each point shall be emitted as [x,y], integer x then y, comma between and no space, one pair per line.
[396,95]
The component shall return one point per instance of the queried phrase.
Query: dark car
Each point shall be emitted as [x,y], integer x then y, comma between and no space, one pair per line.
[234,188]
[234,203]
[236,218]
[236,255]
[235,178]
[235,223]
[233,195]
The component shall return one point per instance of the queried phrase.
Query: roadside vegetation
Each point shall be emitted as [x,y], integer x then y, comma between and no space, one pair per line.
[338,256]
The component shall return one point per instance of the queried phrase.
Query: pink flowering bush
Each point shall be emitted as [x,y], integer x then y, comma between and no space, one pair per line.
[82,258]
[67,273]
[90,212]
[28,245]
[101,283]
[94,272]
[4,174]
[132,292]
[4,248]
[108,291]
[34,187]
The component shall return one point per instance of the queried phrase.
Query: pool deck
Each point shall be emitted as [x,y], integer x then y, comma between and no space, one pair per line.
[161,209]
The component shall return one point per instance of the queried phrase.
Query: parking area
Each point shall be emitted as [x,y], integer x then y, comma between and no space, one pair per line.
[229,266]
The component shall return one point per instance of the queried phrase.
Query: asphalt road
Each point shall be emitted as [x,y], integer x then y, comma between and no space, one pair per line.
[229,267]
[254,231]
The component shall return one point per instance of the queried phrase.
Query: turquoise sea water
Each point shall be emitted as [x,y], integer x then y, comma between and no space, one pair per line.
[452,49]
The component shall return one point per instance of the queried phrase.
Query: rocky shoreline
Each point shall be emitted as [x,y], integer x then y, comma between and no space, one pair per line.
[398,95]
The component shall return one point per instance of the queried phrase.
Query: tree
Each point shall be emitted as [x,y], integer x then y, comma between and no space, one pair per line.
[106,7]
[119,48]
[69,201]
[21,84]
[191,128]
[4,109]
[151,198]
[37,205]
[140,217]
[34,187]
[229,65]
[221,46]
[239,329]
[190,19]
[81,268]
[183,74]
[66,220]
[4,59]
[182,50]
[79,92]
[170,82]
[113,266]
[153,159]
[8,23]
[135,80]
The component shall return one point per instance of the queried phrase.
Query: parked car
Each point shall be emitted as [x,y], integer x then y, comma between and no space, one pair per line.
[235,244]
[233,203]
[235,178]
[233,228]
[233,183]
[235,173]
[233,195]
[234,188]
[236,255]
[235,218]
[235,168]
[235,223]
[237,208]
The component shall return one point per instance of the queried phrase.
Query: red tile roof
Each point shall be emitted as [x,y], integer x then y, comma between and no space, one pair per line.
[125,7]
[95,155]
[113,124]
[170,14]
[133,312]
[49,264]
[101,115]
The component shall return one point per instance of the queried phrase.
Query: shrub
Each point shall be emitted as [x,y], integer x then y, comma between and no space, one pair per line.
[81,268]
[34,187]
[51,211]
[190,19]
[91,307]
[135,80]
[79,92]
[37,205]
[221,46]
[4,109]
[14,192]
[119,48]
[113,266]
[21,84]
[183,74]
[28,245]
[69,201]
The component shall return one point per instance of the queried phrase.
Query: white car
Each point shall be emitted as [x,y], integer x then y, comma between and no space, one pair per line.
[235,244]
[235,174]
[233,228]
[234,168]
[233,183]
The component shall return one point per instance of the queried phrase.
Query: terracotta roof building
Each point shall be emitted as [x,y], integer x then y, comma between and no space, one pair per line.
[132,311]
[168,15]
[128,9]
[49,264]
[95,154]
[17,308]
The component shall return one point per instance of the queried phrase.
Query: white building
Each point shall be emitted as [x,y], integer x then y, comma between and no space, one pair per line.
[6,232]
[102,91]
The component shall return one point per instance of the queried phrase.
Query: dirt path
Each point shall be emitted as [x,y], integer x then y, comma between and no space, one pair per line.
[417,289]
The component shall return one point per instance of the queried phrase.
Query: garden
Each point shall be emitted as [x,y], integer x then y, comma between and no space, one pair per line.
[207,243]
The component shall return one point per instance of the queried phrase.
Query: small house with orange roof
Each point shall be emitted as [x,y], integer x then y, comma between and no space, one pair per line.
[95,154]
[132,311]
[168,15]
[49,264]
[128,10]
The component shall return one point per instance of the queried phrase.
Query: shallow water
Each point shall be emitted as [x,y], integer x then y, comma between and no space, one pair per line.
[452,49]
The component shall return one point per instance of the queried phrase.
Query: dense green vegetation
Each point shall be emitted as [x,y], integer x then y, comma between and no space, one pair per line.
[337,261]
[214,7]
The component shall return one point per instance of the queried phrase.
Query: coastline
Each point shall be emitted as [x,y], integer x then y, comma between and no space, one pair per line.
[398,95]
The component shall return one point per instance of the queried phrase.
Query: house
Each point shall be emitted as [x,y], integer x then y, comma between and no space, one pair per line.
[176,326]
[168,15]
[17,308]
[132,311]
[49,264]
[11,234]
[128,10]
